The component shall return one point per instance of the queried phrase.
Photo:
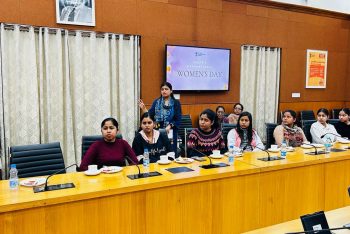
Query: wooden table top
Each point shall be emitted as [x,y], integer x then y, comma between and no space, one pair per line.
[336,218]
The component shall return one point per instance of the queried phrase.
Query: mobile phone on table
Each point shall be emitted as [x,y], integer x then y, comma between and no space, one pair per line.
[197,158]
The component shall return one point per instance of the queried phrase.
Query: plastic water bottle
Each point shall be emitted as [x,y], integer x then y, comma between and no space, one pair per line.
[283,149]
[13,177]
[231,155]
[328,144]
[146,159]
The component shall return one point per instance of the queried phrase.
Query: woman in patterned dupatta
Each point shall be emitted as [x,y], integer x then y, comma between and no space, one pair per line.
[289,131]
[166,111]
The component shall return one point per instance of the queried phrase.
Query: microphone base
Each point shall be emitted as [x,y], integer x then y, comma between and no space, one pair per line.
[53,187]
[314,153]
[214,165]
[267,159]
[144,175]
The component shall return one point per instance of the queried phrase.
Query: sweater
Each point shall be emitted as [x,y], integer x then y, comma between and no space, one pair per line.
[343,129]
[317,130]
[161,146]
[205,142]
[104,153]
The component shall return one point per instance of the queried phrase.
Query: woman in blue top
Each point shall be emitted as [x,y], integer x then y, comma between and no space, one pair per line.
[166,111]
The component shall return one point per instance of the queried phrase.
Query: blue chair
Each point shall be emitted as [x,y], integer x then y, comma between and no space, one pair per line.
[307,115]
[38,159]
[333,121]
[225,129]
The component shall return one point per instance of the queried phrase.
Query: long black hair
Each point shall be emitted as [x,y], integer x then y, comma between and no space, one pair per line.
[346,111]
[167,84]
[324,110]
[212,116]
[249,129]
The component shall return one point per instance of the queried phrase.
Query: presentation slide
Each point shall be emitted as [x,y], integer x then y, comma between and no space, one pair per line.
[197,68]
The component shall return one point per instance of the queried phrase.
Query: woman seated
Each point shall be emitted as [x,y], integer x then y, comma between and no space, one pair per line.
[220,114]
[109,151]
[207,137]
[320,129]
[237,110]
[151,139]
[343,127]
[244,136]
[289,131]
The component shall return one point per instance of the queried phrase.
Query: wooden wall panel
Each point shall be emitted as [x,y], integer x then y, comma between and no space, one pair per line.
[216,23]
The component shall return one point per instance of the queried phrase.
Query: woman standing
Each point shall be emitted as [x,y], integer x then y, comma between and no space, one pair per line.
[244,136]
[289,131]
[109,151]
[207,137]
[320,129]
[151,139]
[166,111]
[343,127]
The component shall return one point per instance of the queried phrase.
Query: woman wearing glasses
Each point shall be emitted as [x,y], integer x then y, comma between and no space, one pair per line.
[237,110]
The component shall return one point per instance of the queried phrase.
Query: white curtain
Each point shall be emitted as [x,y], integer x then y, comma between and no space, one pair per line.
[259,85]
[59,86]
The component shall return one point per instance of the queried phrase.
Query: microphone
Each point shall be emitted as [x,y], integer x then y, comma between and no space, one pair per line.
[315,152]
[141,175]
[38,189]
[269,158]
[332,134]
[211,164]
[328,230]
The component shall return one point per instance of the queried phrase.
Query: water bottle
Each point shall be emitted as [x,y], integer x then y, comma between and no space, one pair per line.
[283,149]
[231,155]
[13,177]
[328,144]
[146,159]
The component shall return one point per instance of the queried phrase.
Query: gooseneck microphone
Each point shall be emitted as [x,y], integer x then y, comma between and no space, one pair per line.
[319,231]
[211,164]
[38,189]
[134,163]
[141,175]
[269,158]
[203,154]
[330,133]
[315,150]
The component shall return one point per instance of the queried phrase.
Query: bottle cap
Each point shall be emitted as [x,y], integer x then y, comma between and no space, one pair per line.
[13,165]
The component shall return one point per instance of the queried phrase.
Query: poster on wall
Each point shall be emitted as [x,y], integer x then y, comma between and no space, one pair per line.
[77,12]
[316,69]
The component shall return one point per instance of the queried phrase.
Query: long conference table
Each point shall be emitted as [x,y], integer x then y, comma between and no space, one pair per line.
[250,194]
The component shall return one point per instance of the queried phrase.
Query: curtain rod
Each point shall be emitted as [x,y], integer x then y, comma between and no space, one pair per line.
[255,47]
[25,28]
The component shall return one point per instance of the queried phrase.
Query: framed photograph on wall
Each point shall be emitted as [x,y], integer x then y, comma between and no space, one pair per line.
[77,12]
[316,69]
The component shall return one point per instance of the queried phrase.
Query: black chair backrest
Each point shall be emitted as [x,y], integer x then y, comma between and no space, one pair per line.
[333,121]
[270,127]
[226,128]
[306,125]
[183,145]
[335,113]
[186,122]
[86,142]
[307,115]
[38,159]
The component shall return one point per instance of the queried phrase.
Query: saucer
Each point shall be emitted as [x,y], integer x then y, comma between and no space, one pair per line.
[343,141]
[274,150]
[317,145]
[306,146]
[92,173]
[216,156]
[289,149]
[31,182]
[111,169]
[184,160]
[163,162]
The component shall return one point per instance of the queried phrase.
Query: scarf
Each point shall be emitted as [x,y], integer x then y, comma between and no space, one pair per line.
[164,113]
[292,135]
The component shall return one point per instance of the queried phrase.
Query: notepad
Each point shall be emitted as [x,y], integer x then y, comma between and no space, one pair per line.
[175,170]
